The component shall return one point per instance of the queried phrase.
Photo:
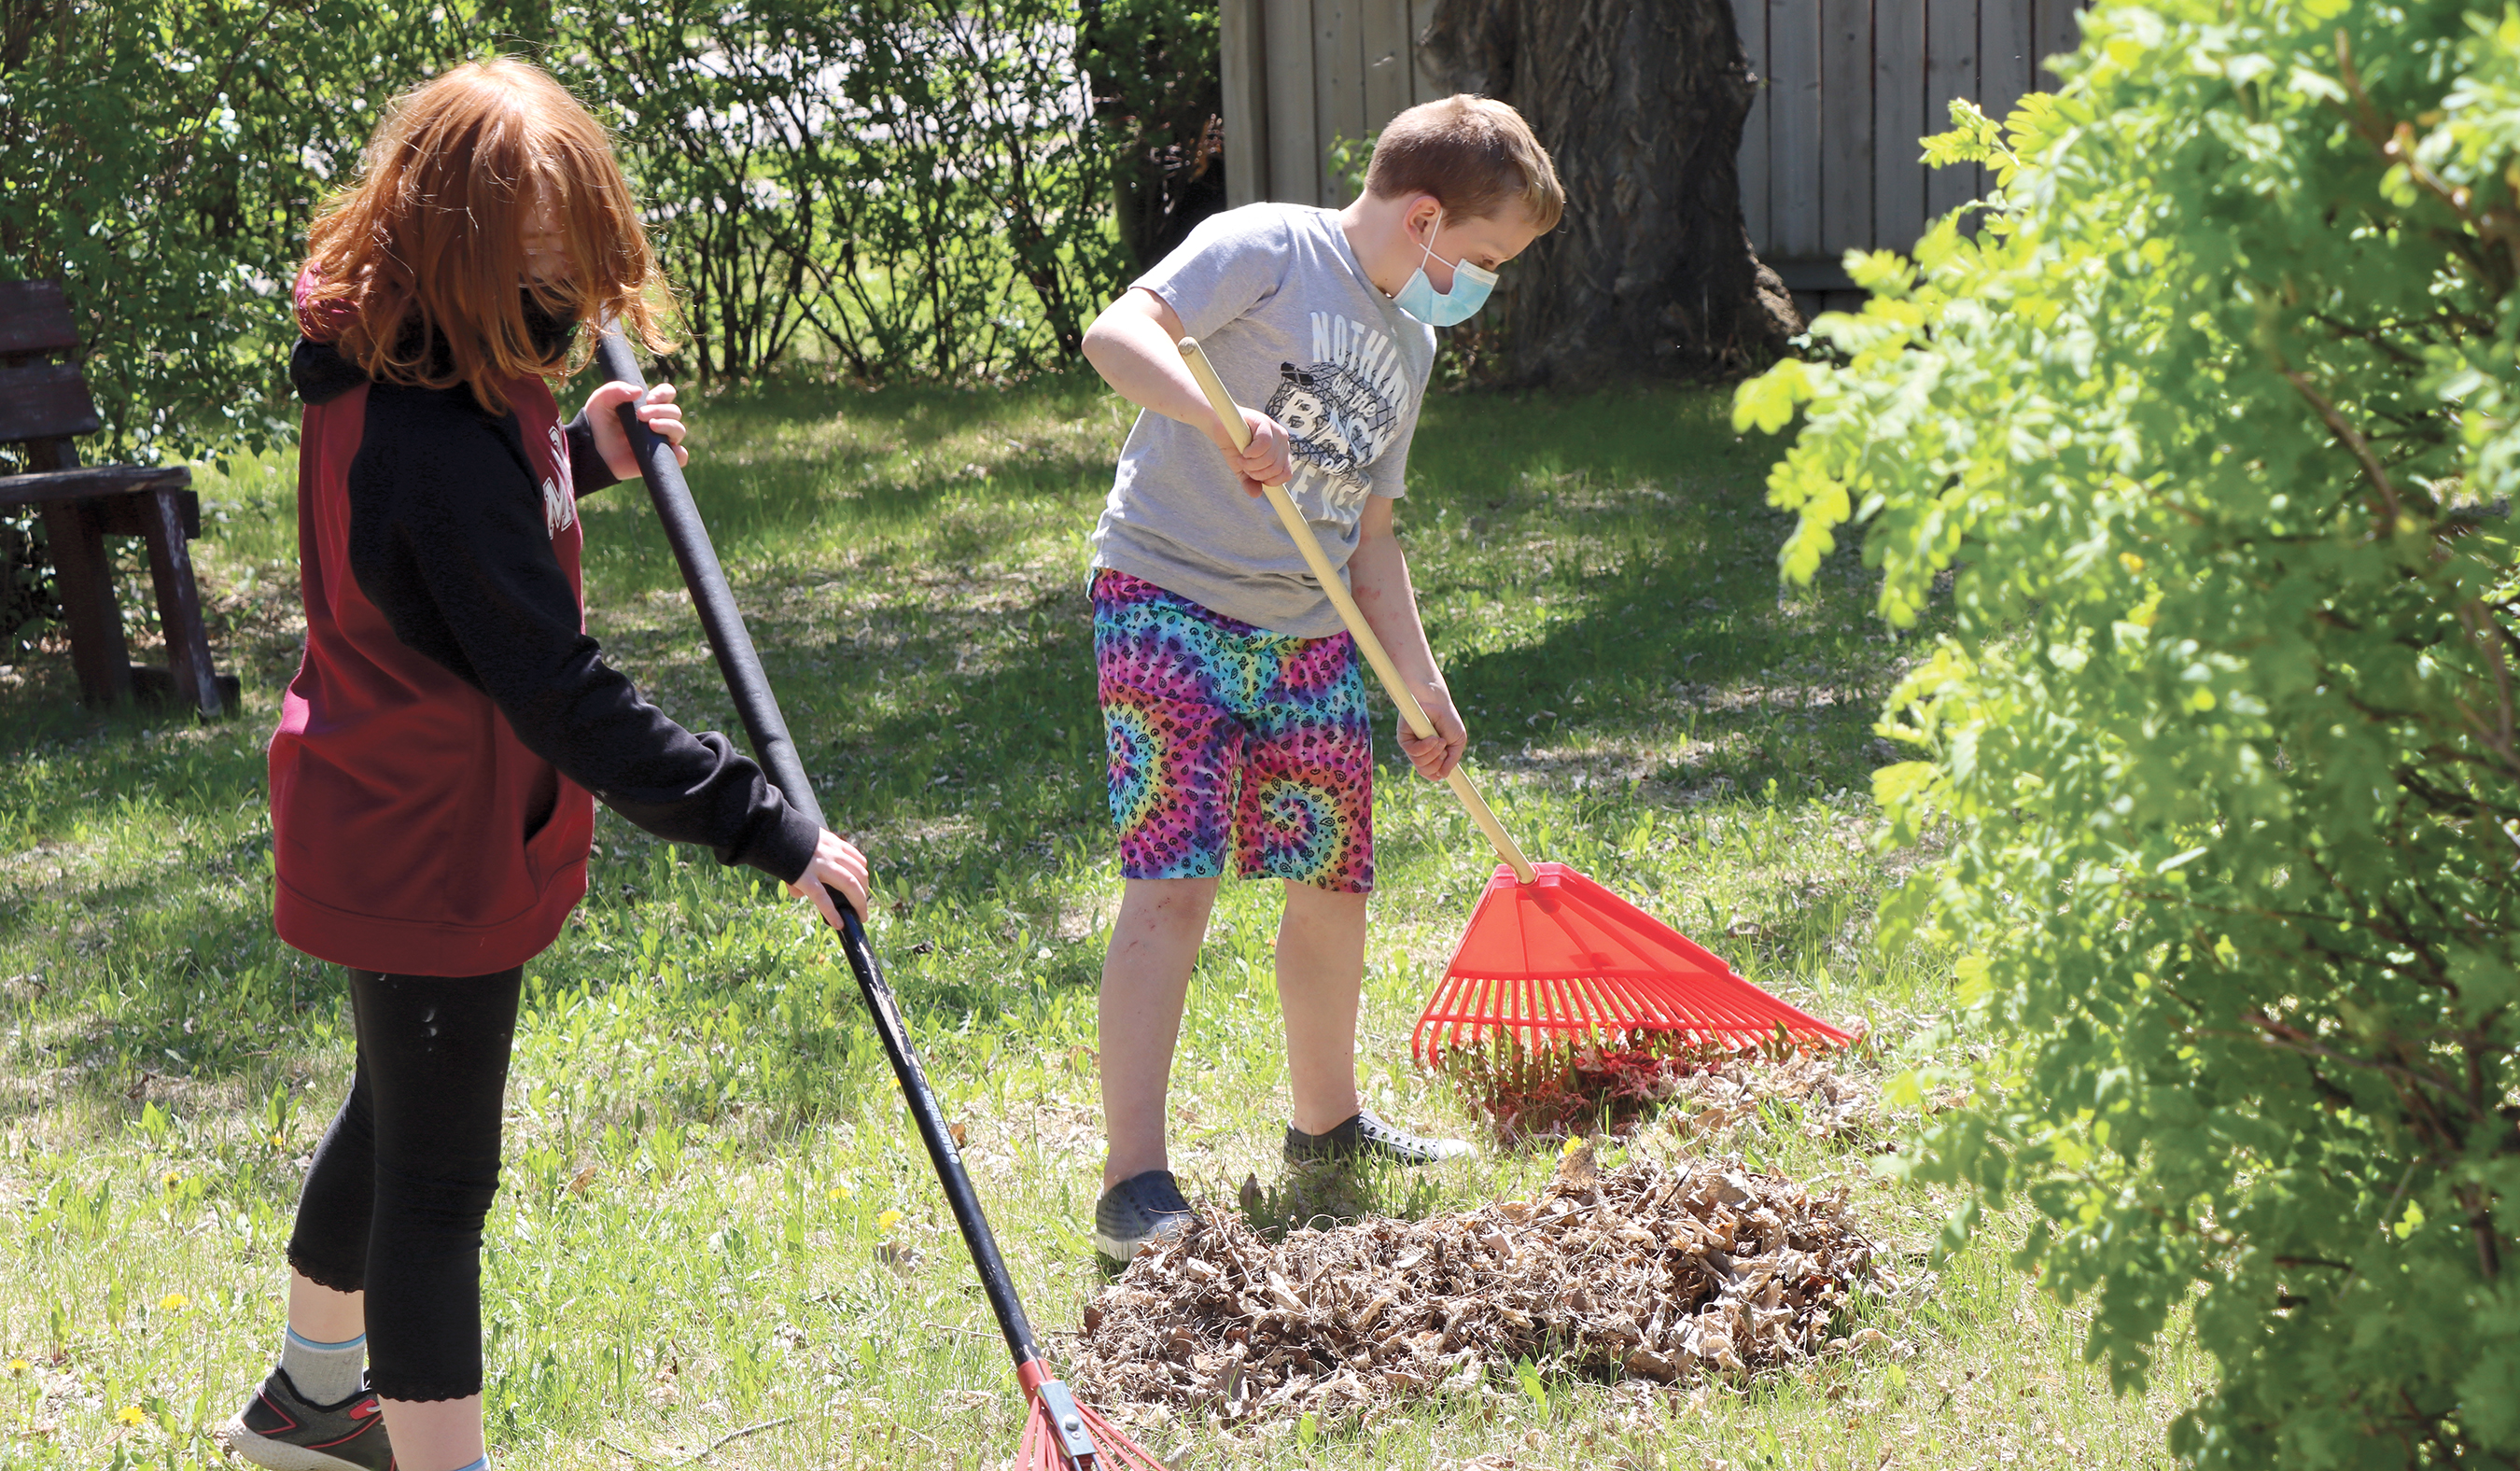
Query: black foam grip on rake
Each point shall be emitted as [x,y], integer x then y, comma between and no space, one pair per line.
[763,725]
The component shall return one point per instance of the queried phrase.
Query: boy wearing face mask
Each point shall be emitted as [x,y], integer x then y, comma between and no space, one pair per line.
[1232,701]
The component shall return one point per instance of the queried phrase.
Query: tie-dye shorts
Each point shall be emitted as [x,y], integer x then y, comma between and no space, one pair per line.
[1228,742]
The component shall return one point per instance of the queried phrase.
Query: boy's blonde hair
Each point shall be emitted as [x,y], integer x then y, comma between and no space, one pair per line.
[1475,154]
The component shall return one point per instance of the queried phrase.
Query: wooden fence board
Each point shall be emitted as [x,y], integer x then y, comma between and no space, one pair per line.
[1389,61]
[1898,121]
[1245,69]
[1845,126]
[1828,149]
[2006,62]
[1793,130]
[1751,18]
[1338,88]
[1951,71]
[1295,159]
[2059,28]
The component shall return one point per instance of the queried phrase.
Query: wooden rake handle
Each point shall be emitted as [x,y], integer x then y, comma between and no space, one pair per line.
[1353,616]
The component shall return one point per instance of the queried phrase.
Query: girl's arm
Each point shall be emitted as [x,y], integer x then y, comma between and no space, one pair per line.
[448,541]
[1377,574]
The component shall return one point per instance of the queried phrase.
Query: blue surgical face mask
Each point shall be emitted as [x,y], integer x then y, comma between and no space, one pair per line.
[1470,287]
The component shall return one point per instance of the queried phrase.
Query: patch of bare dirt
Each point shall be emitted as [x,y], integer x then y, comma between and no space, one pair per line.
[1661,1272]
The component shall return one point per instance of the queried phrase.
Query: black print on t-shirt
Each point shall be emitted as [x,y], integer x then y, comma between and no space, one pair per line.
[1341,413]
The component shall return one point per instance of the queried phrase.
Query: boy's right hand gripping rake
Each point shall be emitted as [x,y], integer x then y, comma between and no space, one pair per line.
[1550,957]
[1059,1434]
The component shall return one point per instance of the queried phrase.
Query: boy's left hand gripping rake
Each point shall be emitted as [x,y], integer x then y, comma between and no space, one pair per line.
[1059,1434]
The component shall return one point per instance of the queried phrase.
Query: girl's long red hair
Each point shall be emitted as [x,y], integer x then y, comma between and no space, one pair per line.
[417,271]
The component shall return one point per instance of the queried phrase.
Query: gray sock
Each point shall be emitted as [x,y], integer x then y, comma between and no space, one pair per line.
[325,1373]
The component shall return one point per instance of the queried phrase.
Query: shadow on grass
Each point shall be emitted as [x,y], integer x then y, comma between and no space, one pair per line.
[801,475]
[1598,571]
[1322,1196]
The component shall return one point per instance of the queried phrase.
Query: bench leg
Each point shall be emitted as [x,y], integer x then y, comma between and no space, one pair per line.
[179,601]
[84,576]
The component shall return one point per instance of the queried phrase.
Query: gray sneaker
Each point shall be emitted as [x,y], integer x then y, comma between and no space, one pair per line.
[1138,1209]
[279,1429]
[1367,1136]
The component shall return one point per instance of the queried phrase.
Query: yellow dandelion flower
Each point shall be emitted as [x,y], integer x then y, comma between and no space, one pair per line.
[19,1366]
[174,1300]
[1573,1144]
[889,1220]
[131,1414]
[170,1180]
[840,1192]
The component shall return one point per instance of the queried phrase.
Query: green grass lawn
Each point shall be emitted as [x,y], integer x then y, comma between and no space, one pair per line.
[715,1213]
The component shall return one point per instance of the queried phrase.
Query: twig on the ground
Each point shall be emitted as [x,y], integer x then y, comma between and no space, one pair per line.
[700,1455]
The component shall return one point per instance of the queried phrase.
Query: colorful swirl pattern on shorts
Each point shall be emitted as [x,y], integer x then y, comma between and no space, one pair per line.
[1228,742]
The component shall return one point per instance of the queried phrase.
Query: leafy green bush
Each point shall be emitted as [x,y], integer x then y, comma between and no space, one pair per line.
[903,188]
[2212,425]
[1154,68]
[162,156]
[912,188]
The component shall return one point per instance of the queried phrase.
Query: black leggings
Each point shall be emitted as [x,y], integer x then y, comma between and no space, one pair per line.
[403,1179]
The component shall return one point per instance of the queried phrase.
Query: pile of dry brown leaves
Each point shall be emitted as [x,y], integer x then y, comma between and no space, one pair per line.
[1543,1092]
[1832,1101]
[1644,1269]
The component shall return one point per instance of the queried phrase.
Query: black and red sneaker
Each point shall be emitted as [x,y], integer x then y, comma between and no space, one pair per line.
[282,1431]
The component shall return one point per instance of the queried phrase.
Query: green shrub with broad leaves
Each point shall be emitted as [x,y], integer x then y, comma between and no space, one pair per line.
[903,188]
[896,189]
[2211,423]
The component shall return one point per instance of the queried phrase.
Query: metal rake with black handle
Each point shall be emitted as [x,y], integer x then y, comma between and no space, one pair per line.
[1059,1434]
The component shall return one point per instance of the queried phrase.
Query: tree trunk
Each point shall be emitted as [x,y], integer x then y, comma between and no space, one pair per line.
[1641,104]
[1157,91]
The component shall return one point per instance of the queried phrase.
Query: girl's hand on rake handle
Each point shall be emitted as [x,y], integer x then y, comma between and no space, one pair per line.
[837,864]
[656,410]
[1435,758]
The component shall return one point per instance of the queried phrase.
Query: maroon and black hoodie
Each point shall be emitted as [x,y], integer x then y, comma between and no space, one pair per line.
[429,781]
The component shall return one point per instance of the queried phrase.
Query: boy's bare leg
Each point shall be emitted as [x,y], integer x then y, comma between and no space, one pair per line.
[1321,973]
[1146,977]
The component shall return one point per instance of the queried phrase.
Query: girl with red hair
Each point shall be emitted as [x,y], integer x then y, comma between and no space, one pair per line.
[451,726]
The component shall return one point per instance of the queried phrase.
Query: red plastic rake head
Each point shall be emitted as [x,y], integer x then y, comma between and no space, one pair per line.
[1563,957]
[1062,1434]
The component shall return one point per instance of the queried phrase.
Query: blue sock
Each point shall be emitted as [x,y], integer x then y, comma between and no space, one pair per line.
[325,1373]
[483,1465]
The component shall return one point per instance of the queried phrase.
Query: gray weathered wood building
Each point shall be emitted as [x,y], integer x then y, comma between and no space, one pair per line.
[1828,153]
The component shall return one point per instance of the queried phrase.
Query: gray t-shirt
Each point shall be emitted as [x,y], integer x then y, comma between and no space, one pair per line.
[1277,297]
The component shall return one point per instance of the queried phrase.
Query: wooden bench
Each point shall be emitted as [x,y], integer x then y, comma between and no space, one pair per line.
[44,405]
